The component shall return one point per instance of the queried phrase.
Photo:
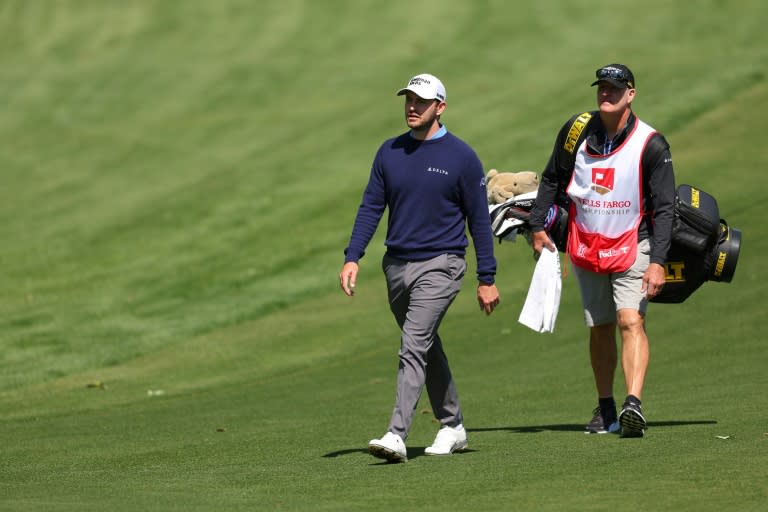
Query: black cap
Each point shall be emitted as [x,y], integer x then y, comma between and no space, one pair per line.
[617,75]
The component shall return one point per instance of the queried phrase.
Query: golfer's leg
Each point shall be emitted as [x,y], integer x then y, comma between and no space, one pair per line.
[441,388]
[430,294]
[443,288]
[407,379]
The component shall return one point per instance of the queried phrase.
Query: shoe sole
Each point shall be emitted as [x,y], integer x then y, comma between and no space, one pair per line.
[458,447]
[381,452]
[632,424]
[611,430]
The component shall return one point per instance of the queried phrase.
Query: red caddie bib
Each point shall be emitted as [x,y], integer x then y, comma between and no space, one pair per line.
[606,194]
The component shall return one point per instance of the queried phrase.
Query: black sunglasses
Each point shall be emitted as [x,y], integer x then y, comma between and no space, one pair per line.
[613,74]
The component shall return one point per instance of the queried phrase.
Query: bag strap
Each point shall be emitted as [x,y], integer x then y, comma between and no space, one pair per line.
[573,139]
[567,157]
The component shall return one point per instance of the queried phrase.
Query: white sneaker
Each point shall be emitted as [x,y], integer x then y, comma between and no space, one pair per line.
[448,440]
[390,447]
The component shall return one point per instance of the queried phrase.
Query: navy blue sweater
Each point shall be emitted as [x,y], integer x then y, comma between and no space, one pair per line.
[430,187]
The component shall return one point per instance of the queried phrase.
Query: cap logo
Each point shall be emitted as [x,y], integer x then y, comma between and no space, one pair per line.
[425,86]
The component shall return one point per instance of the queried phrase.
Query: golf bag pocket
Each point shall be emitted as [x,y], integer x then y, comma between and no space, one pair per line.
[697,219]
[687,270]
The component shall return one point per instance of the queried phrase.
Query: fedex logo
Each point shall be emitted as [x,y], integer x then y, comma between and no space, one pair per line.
[610,253]
[602,179]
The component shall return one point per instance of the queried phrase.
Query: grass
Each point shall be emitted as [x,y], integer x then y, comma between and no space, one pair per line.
[180,178]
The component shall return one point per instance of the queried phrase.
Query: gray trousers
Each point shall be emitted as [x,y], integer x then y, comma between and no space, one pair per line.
[420,293]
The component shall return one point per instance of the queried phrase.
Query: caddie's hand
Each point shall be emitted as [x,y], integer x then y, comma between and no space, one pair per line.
[348,277]
[487,297]
[540,240]
[653,280]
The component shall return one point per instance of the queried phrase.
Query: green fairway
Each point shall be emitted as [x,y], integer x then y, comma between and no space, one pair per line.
[178,180]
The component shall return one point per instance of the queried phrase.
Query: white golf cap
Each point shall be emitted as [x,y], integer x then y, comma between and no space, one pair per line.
[425,86]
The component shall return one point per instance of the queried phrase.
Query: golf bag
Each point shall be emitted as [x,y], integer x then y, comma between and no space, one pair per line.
[704,247]
[511,218]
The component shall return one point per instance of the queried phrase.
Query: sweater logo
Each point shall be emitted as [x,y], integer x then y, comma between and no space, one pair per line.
[438,171]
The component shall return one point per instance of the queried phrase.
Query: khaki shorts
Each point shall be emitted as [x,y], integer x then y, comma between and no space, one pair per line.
[602,295]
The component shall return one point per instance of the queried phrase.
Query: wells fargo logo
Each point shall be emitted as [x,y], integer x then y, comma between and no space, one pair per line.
[602,179]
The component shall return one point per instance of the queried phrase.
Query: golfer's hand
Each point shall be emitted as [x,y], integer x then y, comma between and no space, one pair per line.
[348,277]
[653,280]
[487,297]
[540,240]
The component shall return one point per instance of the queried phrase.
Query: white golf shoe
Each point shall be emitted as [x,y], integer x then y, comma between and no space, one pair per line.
[390,447]
[448,440]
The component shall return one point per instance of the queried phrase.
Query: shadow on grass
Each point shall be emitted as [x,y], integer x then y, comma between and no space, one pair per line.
[413,453]
[339,453]
[569,427]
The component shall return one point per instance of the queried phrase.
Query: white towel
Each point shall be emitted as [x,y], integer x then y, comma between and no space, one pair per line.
[543,300]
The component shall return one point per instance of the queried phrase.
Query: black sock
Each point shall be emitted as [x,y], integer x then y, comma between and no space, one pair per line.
[608,407]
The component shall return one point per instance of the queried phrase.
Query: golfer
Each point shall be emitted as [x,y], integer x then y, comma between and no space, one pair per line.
[433,184]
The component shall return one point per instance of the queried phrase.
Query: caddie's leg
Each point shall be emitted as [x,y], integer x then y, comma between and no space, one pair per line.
[600,316]
[631,305]
[635,352]
[603,356]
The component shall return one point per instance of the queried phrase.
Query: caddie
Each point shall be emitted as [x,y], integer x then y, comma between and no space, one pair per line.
[615,173]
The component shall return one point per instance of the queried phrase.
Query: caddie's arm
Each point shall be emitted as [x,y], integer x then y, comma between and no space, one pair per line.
[658,159]
[540,240]
[653,280]
[545,198]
